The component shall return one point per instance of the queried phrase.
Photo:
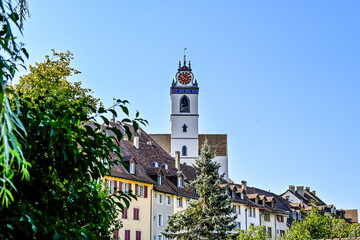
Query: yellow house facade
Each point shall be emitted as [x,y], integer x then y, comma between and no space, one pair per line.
[137,218]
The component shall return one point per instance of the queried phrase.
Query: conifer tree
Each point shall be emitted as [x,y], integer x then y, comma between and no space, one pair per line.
[210,216]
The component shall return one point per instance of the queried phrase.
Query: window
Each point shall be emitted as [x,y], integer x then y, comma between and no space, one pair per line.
[164,166]
[155,164]
[184,104]
[132,168]
[179,202]
[125,213]
[140,190]
[239,209]
[184,151]
[138,235]
[269,230]
[168,200]
[136,214]
[280,218]
[187,202]
[234,209]
[125,187]
[252,224]
[180,182]
[160,220]
[127,234]
[168,217]
[160,198]
[267,217]
[184,128]
[252,212]
[110,185]
[159,179]
[160,237]
[238,225]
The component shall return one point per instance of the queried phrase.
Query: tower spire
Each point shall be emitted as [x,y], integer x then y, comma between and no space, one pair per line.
[185,56]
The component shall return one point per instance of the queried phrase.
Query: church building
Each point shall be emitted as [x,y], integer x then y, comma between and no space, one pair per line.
[184,117]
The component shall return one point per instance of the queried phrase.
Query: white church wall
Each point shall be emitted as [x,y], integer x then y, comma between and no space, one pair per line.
[191,144]
[177,123]
[175,103]
[223,160]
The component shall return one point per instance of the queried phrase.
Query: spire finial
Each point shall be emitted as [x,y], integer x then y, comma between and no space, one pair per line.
[185,56]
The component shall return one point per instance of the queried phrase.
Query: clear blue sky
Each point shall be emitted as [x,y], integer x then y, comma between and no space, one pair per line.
[281,78]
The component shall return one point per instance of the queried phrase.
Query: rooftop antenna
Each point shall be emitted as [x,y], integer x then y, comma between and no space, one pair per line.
[114,103]
[185,56]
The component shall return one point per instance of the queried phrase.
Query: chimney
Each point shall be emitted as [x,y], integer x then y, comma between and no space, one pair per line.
[292,188]
[244,184]
[314,192]
[136,141]
[300,190]
[177,160]
[307,189]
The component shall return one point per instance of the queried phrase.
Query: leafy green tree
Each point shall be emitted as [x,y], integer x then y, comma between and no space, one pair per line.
[210,216]
[69,153]
[317,226]
[12,55]
[254,233]
[49,78]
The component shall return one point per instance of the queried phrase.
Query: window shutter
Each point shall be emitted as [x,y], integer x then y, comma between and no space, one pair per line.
[120,186]
[129,186]
[136,214]
[127,234]
[145,191]
[136,190]
[138,235]
[115,184]
[125,213]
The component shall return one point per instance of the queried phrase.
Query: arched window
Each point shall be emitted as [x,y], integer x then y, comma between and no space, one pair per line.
[184,104]
[184,151]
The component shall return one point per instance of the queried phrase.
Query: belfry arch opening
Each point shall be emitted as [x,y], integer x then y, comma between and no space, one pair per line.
[184,104]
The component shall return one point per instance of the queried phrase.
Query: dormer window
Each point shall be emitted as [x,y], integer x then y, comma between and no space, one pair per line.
[155,164]
[159,179]
[242,196]
[233,194]
[132,167]
[164,166]
[180,182]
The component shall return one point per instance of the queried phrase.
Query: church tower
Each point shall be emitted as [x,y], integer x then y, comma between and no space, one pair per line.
[184,93]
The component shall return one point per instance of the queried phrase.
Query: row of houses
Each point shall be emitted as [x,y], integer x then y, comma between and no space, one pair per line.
[158,180]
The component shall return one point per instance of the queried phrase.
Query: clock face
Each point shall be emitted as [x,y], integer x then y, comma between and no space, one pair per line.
[184,78]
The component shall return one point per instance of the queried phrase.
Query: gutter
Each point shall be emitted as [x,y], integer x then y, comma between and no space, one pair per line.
[151,213]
